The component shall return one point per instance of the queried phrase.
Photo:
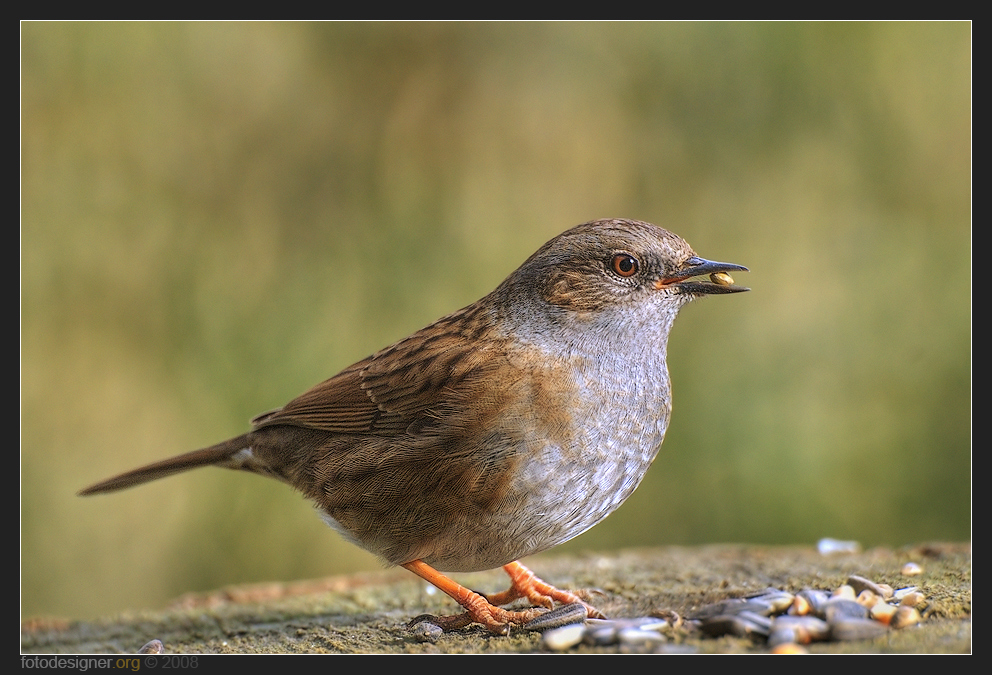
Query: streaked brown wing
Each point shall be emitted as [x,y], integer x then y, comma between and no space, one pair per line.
[406,384]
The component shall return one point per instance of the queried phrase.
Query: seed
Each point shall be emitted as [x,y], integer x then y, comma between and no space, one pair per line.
[856,629]
[905,616]
[883,613]
[860,584]
[600,634]
[868,599]
[722,279]
[789,648]
[639,637]
[669,616]
[153,647]
[560,639]
[813,601]
[845,592]
[782,635]
[911,569]
[558,617]
[800,606]
[841,608]
[743,624]
[771,601]
[425,631]
[912,599]
[829,546]
[805,629]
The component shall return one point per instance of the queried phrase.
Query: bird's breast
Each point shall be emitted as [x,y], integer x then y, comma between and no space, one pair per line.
[592,427]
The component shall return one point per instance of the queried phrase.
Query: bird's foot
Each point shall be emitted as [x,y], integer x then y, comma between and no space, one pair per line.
[525,584]
[485,610]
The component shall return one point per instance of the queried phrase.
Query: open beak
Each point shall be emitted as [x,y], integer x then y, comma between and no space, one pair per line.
[686,280]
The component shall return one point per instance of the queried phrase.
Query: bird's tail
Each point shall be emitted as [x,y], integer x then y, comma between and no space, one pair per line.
[232,454]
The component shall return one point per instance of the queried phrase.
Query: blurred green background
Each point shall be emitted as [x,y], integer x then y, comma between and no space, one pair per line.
[217,216]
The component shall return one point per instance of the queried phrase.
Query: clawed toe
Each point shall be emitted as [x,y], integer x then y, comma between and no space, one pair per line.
[486,610]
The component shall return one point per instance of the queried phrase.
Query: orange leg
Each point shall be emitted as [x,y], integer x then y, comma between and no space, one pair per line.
[484,610]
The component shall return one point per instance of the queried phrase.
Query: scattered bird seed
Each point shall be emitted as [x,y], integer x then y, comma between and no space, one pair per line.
[805,629]
[741,624]
[566,637]
[845,592]
[911,569]
[810,601]
[842,608]
[425,631]
[782,620]
[828,546]
[637,637]
[813,615]
[153,647]
[562,615]
[789,648]
[856,629]
[860,584]
[905,617]
[903,592]
[783,635]
[883,613]
[638,634]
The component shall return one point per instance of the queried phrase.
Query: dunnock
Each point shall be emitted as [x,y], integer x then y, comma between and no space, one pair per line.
[501,430]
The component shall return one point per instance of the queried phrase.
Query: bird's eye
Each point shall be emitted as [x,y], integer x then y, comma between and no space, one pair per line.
[624,264]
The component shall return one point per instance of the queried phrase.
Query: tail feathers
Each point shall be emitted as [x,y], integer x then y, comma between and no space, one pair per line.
[232,454]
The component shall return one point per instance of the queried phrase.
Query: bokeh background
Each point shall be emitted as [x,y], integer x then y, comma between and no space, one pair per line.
[215,217]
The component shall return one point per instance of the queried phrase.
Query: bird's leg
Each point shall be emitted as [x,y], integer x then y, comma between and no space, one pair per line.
[524,584]
[484,610]
[478,609]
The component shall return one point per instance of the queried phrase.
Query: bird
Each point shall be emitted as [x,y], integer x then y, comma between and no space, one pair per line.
[500,430]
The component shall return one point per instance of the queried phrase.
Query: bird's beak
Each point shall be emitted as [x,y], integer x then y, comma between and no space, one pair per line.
[719,280]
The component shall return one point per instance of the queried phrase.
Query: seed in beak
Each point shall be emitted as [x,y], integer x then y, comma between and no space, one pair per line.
[722,279]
